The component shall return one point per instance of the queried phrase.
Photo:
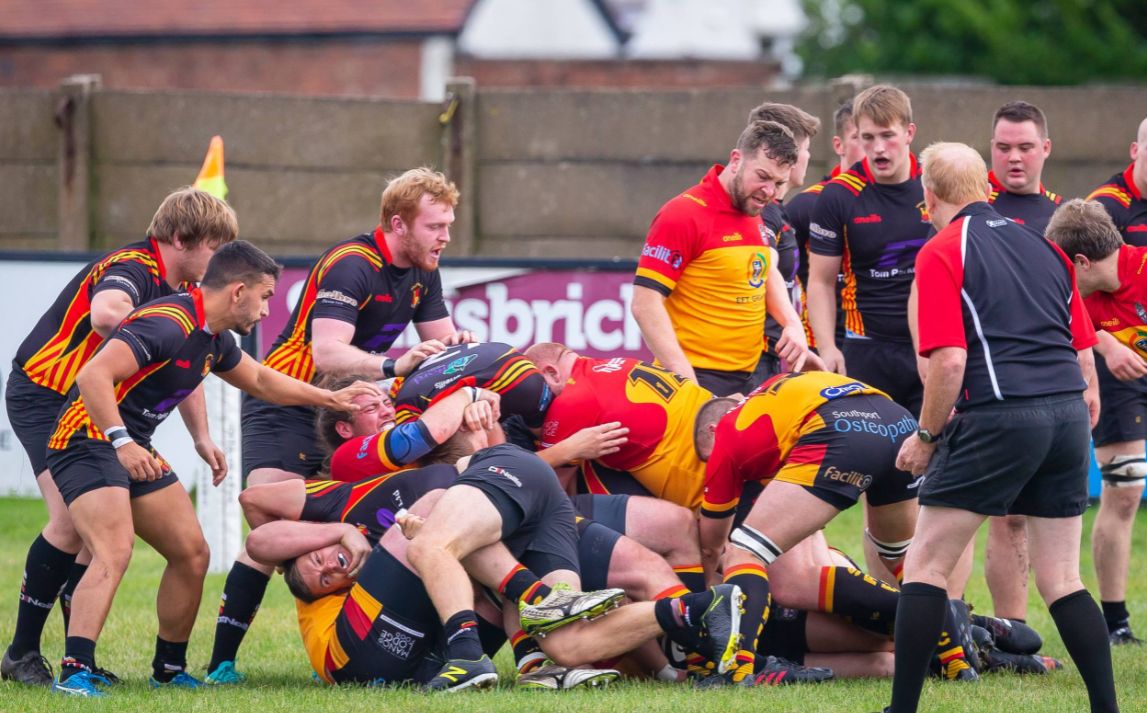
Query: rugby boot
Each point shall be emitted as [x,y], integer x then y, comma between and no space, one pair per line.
[722,680]
[778,671]
[553,677]
[31,669]
[182,680]
[225,674]
[459,674]
[963,632]
[82,683]
[563,606]
[997,661]
[1012,636]
[719,627]
[1122,636]
[104,677]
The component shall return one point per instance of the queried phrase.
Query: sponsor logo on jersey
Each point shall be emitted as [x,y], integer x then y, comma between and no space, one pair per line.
[459,364]
[611,366]
[336,296]
[672,258]
[505,474]
[867,219]
[835,392]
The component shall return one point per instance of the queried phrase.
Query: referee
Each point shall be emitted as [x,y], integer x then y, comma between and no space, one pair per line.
[1008,344]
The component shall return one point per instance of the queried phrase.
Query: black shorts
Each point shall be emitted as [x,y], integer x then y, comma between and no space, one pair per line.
[280,437]
[889,366]
[609,510]
[724,383]
[849,448]
[401,641]
[1019,457]
[90,465]
[597,479]
[1123,408]
[32,411]
[595,550]
[538,520]
[784,634]
[768,367]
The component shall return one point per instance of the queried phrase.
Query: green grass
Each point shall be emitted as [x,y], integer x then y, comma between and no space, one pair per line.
[280,678]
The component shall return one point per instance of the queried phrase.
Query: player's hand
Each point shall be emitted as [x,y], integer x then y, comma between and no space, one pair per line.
[480,416]
[409,524]
[793,346]
[215,459]
[833,359]
[419,353]
[594,442]
[1091,398]
[357,548]
[462,336]
[814,362]
[343,399]
[914,455]
[140,464]
[1124,363]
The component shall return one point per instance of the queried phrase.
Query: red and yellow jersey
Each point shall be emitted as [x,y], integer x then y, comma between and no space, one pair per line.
[657,406]
[317,625]
[710,261]
[1123,313]
[63,340]
[757,438]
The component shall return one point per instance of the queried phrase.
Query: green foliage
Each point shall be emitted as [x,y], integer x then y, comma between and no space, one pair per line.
[280,677]
[1009,41]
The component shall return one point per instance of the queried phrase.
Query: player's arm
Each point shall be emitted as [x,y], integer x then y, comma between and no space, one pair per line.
[193,411]
[334,353]
[714,531]
[792,346]
[282,540]
[273,501]
[96,381]
[1122,361]
[108,308]
[648,308]
[444,331]
[266,384]
[822,277]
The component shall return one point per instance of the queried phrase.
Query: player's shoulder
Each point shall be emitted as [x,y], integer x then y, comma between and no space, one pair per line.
[1115,194]
[362,248]
[850,183]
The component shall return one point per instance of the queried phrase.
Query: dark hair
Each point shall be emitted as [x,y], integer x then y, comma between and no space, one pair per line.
[239,261]
[803,124]
[1081,227]
[295,583]
[776,140]
[1018,112]
[842,116]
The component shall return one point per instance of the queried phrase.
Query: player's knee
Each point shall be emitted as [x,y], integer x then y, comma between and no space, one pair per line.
[112,555]
[1124,477]
[888,549]
[62,535]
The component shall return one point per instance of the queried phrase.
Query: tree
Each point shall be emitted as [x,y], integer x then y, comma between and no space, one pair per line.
[1009,41]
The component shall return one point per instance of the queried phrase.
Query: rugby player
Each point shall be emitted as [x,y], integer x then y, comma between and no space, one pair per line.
[185,231]
[357,299]
[116,486]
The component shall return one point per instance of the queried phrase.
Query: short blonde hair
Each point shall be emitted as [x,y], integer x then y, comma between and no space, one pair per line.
[955,172]
[196,217]
[1082,227]
[403,194]
[884,104]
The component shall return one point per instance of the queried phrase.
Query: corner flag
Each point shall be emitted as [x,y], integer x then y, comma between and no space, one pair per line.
[210,177]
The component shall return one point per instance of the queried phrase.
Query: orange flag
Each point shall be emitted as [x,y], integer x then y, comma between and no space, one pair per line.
[211,175]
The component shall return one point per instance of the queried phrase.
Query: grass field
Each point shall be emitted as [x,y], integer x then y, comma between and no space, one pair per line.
[280,678]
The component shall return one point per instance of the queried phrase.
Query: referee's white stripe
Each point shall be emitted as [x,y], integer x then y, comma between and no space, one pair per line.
[976,315]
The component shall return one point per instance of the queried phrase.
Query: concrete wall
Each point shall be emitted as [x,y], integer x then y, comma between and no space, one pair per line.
[545,173]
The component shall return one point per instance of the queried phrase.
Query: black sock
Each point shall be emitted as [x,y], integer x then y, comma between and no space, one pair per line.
[523,585]
[693,577]
[242,594]
[868,602]
[170,659]
[1116,615]
[79,655]
[45,571]
[682,614]
[754,583]
[75,574]
[1080,625]
[492,637]
[919,619]
[462,640]
[527,654]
